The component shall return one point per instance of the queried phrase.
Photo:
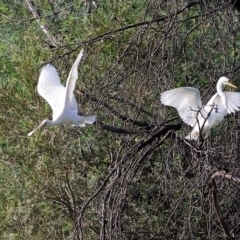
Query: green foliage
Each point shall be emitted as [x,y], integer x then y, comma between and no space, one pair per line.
[48,179]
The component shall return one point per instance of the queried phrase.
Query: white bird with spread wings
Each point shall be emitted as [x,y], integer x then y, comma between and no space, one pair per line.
[188,103]
[60,98]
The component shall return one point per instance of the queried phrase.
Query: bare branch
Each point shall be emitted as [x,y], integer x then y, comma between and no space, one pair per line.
[44,27]
[225,174]
[115,112]
[213,188]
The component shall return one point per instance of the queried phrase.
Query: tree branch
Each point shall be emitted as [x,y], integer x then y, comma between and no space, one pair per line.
[115,112]
[44,27]
[116,130]
[236,4]
[213,189]
[147,23]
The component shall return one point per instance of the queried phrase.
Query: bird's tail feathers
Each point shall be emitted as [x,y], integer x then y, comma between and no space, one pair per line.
[88,120]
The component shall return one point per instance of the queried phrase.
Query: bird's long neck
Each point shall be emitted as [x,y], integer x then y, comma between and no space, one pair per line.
[45,123]
[222,94]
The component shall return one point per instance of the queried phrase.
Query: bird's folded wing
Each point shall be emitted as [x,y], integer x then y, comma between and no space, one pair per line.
[186,100]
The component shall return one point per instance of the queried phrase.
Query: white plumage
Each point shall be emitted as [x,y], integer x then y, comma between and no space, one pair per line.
[60,98]
[188,103]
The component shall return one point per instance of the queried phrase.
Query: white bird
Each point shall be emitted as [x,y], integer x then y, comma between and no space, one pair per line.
[188,103]
[60,98]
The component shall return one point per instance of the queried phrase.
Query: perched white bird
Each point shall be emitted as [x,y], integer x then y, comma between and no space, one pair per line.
[188,103]
[60,98]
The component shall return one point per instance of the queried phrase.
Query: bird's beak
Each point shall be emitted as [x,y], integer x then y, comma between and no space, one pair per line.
[34,130]
[231,85]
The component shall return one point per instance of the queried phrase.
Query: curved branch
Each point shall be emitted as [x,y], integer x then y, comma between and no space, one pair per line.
[116,130]
[236,4]
[131,104]
[213,189]
[156,20]
[115,112]
[161,132]
[110,33]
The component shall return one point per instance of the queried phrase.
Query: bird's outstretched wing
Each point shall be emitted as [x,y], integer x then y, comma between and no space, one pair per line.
[49,86]
[51,89]
[186,100]
[72,79]
[233,101]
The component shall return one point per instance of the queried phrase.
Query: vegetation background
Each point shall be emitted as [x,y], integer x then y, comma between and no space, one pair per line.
[131,175]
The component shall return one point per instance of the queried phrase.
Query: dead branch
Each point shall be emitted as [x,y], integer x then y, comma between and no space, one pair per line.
[44,27]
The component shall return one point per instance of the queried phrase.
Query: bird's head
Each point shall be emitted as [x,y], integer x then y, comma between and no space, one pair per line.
[225,81]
